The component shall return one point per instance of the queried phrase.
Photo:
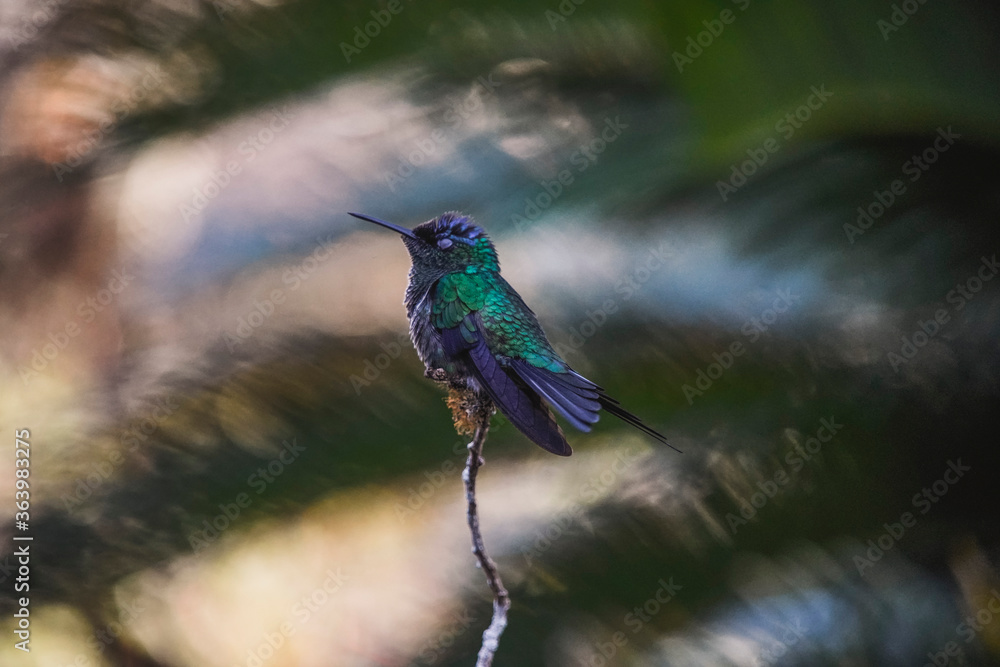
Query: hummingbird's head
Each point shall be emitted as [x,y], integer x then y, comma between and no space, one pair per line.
[448,243]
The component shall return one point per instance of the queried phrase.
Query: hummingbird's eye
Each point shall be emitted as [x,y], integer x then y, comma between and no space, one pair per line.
[444,243]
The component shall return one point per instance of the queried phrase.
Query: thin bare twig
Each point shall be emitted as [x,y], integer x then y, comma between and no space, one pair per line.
[501,600]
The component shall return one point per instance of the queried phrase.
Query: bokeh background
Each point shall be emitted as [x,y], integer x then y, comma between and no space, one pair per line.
[766,227]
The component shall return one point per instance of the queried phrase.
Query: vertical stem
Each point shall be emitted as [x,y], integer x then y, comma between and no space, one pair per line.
[501,600]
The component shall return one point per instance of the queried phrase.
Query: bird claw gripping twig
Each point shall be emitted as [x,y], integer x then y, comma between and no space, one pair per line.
[436,374]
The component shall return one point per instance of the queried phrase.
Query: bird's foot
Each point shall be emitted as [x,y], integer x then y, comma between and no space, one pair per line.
[436,374]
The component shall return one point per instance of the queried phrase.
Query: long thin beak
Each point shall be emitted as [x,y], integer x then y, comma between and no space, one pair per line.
[388,225]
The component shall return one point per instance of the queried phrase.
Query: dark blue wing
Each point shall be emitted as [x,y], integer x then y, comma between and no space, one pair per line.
[509,393]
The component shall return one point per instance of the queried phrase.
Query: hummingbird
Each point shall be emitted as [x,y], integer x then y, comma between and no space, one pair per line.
[467,320]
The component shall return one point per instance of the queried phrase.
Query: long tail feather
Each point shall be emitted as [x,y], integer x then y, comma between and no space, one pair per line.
[612,406]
